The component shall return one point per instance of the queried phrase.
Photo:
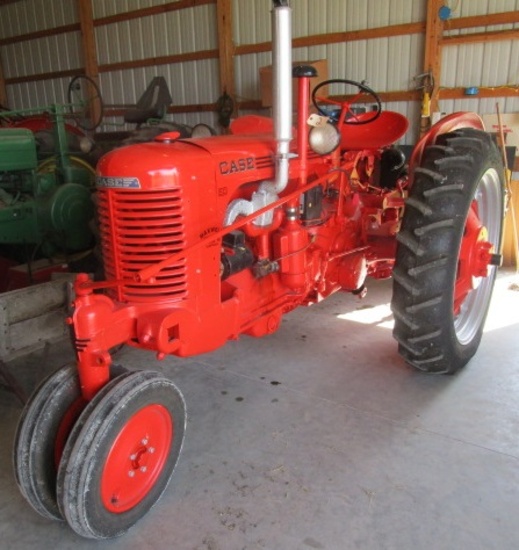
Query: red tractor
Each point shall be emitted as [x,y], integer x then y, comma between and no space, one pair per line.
[208,239]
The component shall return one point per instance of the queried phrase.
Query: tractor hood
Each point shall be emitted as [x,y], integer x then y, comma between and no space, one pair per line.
[167,163]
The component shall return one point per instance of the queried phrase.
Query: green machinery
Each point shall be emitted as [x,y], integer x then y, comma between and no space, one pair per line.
[44,204]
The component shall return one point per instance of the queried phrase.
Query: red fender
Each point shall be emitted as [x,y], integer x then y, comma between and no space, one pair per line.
[447,124]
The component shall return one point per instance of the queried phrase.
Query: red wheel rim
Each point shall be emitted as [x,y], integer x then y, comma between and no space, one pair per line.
[474,259]
[136,458]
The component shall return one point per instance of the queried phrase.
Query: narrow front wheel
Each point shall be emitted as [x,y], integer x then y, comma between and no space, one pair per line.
[120,462]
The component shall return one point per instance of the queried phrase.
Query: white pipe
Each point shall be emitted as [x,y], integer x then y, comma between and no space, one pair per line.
[282,92]
[282,112]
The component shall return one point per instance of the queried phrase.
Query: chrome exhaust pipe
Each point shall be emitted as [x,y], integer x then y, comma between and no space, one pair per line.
[282,89]
[268,191]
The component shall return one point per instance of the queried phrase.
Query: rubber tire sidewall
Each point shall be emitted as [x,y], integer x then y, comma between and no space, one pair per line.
[441,282]
[80,494]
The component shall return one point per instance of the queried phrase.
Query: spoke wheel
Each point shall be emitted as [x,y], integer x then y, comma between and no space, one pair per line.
[447,252]
[119,458]
[40,437]
[84,98]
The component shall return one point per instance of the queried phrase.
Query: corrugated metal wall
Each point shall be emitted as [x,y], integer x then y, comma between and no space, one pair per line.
[483,65]
[387,64]
[53,53]
[176,32]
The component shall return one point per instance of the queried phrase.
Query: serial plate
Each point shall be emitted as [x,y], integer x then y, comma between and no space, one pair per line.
[119,183]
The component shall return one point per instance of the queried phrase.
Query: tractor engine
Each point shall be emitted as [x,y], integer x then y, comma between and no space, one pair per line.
[44,205]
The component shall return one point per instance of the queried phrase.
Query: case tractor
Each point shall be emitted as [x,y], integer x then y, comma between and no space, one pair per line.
[205,240]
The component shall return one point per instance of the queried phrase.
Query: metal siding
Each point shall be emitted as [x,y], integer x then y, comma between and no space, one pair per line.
[35,15]
[106,8]
[172,33]
[32,95]
[481,65]
[386,63]
[47,54]
[251,21]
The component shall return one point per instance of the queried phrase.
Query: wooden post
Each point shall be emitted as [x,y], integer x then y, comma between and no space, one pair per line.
[225,46]
[3,88]
[86,21]
[432,62]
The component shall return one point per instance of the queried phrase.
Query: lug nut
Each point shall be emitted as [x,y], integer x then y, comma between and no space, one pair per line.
[131,473]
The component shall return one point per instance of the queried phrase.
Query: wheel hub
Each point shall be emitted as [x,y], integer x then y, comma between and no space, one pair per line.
[476,255]
[136,458]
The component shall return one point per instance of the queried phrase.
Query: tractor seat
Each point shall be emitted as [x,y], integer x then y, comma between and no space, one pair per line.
[385,130]
[153,103]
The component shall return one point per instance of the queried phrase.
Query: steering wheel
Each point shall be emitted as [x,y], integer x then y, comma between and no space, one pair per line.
[85,101]
[350,117]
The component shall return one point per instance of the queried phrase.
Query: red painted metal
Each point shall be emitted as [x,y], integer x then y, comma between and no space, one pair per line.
[474,258]
[65,427]
[136,458]
[385,130]
[161,207]
[450,123]
[40,122]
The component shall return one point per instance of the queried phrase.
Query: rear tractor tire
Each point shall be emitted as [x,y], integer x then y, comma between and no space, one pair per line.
[447,252]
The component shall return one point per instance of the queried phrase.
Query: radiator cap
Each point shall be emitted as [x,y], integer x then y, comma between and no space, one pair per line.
[167,137]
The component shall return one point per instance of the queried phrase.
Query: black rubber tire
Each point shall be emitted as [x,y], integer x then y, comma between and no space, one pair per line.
[80,475]
[34,444]
[34,447]
[430,336]
[76,431]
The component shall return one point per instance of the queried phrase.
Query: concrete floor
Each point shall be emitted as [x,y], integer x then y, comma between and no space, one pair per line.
[320,437]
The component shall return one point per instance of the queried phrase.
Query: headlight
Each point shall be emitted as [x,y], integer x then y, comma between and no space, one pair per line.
[324,139]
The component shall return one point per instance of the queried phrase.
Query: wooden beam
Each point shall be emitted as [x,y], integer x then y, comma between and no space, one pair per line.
[163,60]
[40,34]
[432,62]
[337,37]
[88,40]
[44,76]
[174,109]
[88,44]
[486,92]
[502,18]
[481,37]
[153,10]
[225,46]
[3,88]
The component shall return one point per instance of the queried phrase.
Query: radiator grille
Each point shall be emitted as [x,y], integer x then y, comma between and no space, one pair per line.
[139,229]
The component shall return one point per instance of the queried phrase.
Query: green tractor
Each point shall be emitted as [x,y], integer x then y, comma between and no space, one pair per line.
[45,201]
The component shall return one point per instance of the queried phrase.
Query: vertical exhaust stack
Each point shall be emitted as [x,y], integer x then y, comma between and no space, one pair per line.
[268,191]
[282,92]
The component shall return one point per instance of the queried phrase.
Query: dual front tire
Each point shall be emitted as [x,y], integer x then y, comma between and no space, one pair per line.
[99,465]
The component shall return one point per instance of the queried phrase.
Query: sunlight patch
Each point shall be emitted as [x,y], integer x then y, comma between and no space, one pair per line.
[380,316]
